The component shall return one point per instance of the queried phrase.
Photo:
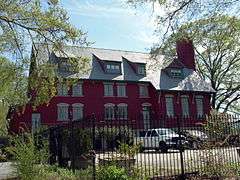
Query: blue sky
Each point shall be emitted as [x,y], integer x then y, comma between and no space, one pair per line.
[113,24]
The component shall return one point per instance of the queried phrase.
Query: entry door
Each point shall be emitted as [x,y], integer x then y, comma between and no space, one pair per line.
[146,117]
[36,121]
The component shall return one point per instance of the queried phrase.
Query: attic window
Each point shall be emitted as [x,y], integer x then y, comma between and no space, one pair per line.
[141,69]
[67,65]
[176,73]
[113,68]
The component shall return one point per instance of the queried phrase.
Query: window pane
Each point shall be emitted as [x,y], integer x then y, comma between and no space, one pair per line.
[169,106]
[77,90]
[108,89]
[122,112]
[141,69]
[121,90]
[185,106]
[62,113]
[199,104]
[77,113]
[109,112]
[143,91]
[62,89]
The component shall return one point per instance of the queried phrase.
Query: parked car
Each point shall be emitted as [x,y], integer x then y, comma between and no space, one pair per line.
[160,139]
[195,138]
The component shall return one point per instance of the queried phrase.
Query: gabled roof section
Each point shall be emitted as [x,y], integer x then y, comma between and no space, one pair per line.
[176,63]
[155,73]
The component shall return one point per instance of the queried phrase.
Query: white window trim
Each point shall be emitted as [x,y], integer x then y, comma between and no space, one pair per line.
[61,85]
[173,113]
[63,105]
[37,124]
[108,83]
[109,104]
[78,105]
[188,105]
[199,97]
[123,105]
[124,85]
[146,86]
[114,113]
[146,104]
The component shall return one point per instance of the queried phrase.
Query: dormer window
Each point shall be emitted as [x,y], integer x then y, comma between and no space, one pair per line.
[141,70]
[113,68]
[67,65]
[176,73]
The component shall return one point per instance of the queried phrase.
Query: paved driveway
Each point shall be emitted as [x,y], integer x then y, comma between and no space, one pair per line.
[152,162]
[6,170]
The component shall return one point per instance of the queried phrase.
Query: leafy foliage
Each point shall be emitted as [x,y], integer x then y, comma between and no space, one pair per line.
[111,173]
[24,24]
[217,48]
[28,153]
[172,14]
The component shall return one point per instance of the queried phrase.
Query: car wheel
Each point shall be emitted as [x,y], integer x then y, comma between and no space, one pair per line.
[163,147]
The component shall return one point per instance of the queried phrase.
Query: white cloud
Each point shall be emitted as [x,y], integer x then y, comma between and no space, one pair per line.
[140,22]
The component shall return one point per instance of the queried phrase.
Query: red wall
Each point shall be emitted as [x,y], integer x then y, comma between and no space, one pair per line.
[94,101]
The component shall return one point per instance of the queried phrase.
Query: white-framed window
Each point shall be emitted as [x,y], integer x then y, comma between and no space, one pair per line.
[141,69]
[199,106]
[108,89]
[62,112]
[36,121]
[176,73]
[169,105]
[109,111]
[146,115]
[77,89]
[62,89]
[143,90]
[121,90]
[77,109]
[113,68]
[122,111]
[185,106]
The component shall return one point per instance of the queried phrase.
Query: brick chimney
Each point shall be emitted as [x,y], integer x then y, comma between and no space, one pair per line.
[185,53]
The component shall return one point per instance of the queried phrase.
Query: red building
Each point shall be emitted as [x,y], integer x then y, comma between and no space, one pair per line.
[124,85]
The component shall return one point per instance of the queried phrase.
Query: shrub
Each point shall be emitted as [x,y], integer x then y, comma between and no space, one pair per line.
[27,155]
[111,173]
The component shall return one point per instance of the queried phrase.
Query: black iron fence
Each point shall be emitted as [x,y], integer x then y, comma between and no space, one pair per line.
[155,149]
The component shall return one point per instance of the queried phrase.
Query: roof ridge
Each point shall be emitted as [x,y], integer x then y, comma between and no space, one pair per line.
[100,48]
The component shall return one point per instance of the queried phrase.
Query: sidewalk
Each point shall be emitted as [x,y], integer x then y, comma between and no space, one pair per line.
[6,171]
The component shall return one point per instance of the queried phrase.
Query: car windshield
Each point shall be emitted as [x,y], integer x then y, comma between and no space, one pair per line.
[196,133]
[165,131]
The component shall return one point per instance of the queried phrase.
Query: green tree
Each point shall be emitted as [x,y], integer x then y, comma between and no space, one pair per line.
[217,48]
[23,23]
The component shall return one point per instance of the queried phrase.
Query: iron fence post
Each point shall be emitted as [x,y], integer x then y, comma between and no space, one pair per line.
[72,147]
[93,146]
[182,176]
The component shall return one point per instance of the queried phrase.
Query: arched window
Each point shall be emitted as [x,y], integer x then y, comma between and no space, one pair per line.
[122,111]
[109,111]
[62,112]
[77,111]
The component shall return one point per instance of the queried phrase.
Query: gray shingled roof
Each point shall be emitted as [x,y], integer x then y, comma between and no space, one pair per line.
[191,81]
